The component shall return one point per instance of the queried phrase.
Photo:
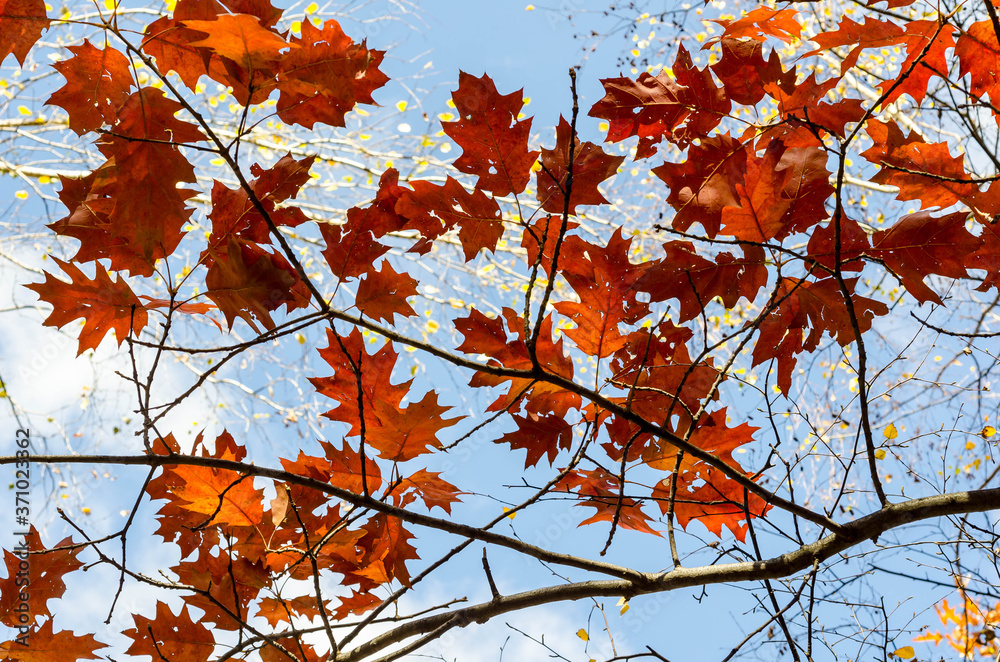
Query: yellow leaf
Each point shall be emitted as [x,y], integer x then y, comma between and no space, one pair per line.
[904,653]
[21,195]
[311,9]
[623,609]
[583,634]
[988,431]
[970,445]
[401,105]
[511,516]
[23,110]
[890,431]
[879,454]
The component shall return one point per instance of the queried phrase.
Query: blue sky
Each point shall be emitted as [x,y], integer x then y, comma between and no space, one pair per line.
[518,49]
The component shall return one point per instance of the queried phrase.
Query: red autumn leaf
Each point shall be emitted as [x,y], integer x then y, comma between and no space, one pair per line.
[906,159]
[282,611]
[105,304]
[695,281]
[240,38]
[987,257]
[926,41]
[759,24]
[782,193]
[41,580]
[226,585]
[487,336]
[234,213]
[433,210]
[873,33]
[493,140]
[21,24]
[822,247]
[591,166]
[679,106]
[605,281]
[429,487]
[706,183]
[600,491]
[540,436]
[341,467]
[805,102]
[544,233]
[388,549]
[664,381]
[979,55]
[712,435]
[169,42]
[919,245]
[248,282]
[224,497]
[326,76]
[397,433]
[231,42]
[744,73]
[131,210]
[816,308]
[401,434]
[718,501]
[356,604]
[381,294]
[166,636]
[352,248]
[97,84]
[48,646]
[187,308]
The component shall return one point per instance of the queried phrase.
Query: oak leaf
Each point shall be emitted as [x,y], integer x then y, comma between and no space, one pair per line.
[49,646]
[591,166]
[97,84]
[381,294]
[493,140]
[326,75]
[21,24]
[42,582]
[540,435]
[680,106]
[605,281]
[695,281]
[745,74]
[920,244]
[105,304]
[170,637]
[429,487]
[248,282]
[922,171]
[433,210]
[600,490]
[760,23]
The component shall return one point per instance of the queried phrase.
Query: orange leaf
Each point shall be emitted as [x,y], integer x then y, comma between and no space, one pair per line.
[105,304]
[44,645]
[21,24]
[493,140]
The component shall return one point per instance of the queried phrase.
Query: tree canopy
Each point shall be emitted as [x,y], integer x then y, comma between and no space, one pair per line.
[742,344]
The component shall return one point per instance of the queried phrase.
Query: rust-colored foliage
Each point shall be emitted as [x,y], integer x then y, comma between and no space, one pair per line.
[605,372]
